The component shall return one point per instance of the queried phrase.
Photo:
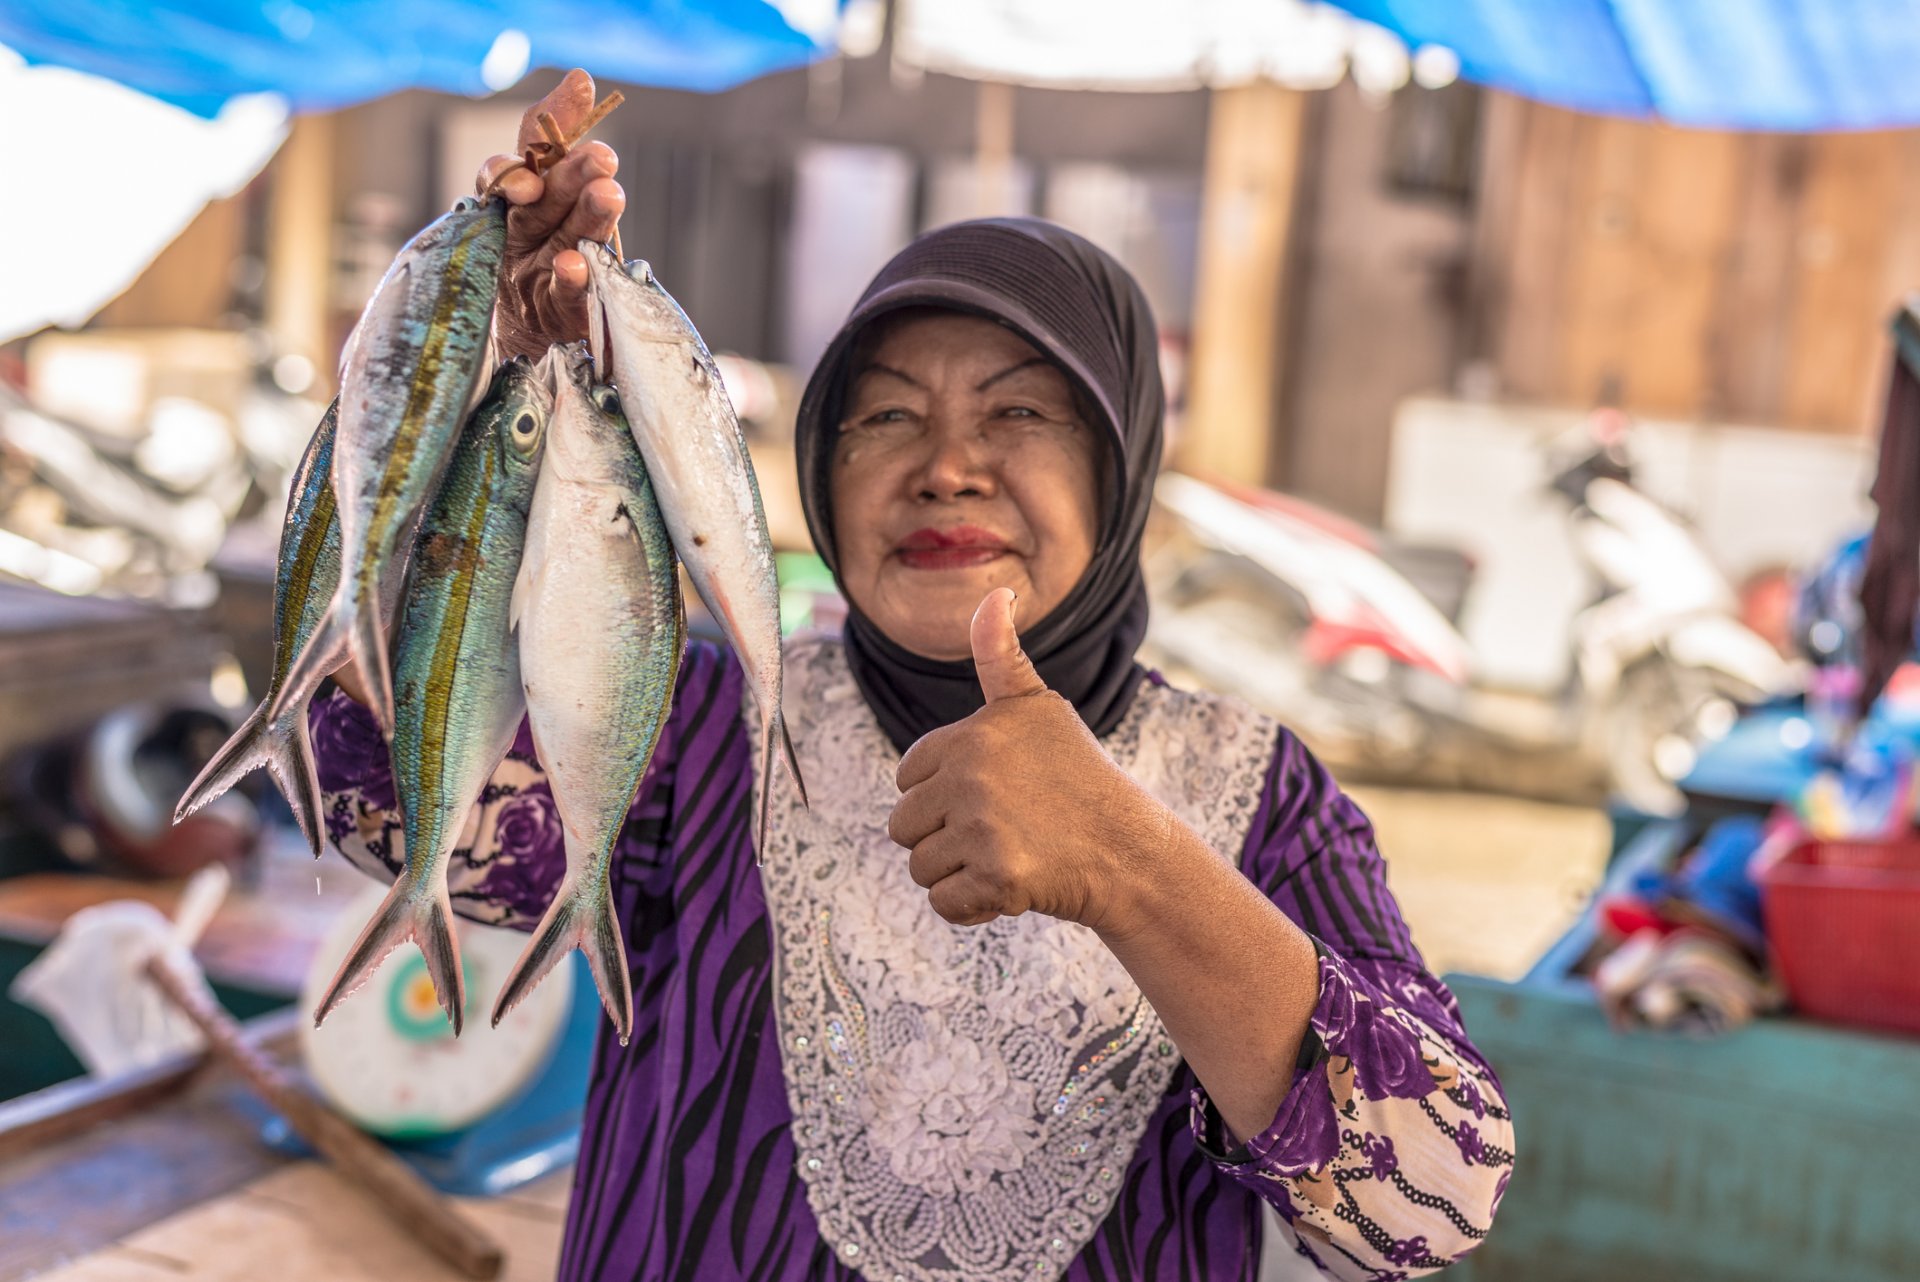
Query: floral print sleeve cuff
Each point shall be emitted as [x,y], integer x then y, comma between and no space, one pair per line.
[1391,1151]
[511,854]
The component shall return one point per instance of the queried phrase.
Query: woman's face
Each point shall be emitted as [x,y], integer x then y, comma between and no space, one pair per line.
[963,465]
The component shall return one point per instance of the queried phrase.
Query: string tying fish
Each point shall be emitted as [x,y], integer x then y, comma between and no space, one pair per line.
[542,156]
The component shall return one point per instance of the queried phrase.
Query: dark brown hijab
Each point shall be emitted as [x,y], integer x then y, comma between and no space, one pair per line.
[1074,303]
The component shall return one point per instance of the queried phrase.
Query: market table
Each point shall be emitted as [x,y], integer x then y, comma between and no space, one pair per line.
[1784,1151]
[162,1174]
[301,1224]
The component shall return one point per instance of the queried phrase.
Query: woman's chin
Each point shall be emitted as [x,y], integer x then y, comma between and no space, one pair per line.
[932,616]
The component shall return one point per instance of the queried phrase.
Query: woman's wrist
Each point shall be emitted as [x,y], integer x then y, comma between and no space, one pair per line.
[1149,860]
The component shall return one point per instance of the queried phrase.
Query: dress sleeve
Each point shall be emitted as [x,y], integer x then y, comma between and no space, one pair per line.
[512,852]
[1391,1150]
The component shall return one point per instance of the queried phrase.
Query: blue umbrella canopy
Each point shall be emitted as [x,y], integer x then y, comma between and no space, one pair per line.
[1722,64]
[322,54]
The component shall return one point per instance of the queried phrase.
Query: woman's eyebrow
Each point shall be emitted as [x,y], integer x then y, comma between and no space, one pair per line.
[875,367]
[1009,371]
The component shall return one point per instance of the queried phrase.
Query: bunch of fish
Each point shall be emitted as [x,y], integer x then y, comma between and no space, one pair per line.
[518,537]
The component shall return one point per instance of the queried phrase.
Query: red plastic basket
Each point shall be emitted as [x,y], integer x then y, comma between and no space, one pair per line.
[1843,919]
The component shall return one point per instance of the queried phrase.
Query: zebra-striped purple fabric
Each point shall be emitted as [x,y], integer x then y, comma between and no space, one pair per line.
[1387,1157]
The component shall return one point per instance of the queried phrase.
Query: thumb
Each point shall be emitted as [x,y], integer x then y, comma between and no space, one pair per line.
[1004,670]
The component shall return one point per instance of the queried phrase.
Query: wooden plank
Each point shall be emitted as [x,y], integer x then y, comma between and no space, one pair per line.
[34,1123]
[1650,231]
[301,1224]
[263,937]
[300,214]
[64,1200]
[1254,137]
[1751,347]
[1603,289]
[1839,304]
[59,1112]
[1499,186]
[1528,347]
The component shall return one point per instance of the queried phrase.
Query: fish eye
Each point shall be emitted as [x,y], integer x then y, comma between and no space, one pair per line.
[607,399]
[526,425]
[464,204]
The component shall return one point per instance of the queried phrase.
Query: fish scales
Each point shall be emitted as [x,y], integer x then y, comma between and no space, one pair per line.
[308,572]
[696,454]
[413,370]
[602,628]
[456,671]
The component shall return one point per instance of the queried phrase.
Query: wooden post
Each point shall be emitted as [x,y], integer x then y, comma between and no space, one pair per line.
[992,148]
[1254,139]
[300,245]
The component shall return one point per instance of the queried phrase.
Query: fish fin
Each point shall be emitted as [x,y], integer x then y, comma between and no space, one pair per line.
[793,758]
[248,749]
[284,748]
[408,912]
[572,921]
[767,757]
[483,374]
[533,563]
[326,647]
[293,769]
[368,640]
[597,337]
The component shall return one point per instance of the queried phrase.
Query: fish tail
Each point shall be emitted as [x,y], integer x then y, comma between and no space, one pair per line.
[576,920]
[793,758]
[247,750]
[408,912]
[768,755]
[293,769]
[367,636]
[283,748]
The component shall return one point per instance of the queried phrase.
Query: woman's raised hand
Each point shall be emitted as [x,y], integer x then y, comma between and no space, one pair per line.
[543,299]
[1018,808]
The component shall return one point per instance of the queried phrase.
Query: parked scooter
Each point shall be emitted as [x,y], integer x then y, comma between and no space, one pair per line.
[1308,617]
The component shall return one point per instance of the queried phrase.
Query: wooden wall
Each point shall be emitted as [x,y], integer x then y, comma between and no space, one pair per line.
[1743,277]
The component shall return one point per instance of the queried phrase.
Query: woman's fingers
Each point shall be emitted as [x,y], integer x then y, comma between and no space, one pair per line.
[962,900]
[936,859]
[545,295]
[531,226]
[919,814]
[520,186]
[569,103]
[923,757]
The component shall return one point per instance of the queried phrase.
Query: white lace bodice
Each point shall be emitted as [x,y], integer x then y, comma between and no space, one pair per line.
[965,1099]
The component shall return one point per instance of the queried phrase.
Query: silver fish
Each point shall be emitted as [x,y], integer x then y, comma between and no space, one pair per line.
[309,571]
[602,627]
[672,395]
[456,671]
[413,370]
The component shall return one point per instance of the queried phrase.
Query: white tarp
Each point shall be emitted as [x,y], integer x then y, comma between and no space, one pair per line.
[1146,44]
[106,178]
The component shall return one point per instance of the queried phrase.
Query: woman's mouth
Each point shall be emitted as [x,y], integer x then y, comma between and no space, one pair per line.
[951,549]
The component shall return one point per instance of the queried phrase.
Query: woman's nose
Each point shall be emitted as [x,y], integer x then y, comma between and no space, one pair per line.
[956,466]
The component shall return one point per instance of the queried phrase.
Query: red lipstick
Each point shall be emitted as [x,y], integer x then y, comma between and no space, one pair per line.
[954,548]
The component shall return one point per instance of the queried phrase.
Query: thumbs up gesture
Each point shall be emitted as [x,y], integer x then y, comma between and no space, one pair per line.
[1018,808]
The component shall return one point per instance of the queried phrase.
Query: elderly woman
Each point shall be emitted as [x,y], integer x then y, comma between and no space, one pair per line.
[1064,972]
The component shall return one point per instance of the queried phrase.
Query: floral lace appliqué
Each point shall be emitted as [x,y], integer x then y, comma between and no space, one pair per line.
[965,1100]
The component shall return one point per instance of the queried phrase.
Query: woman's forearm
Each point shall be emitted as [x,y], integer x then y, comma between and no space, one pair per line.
[1232,978]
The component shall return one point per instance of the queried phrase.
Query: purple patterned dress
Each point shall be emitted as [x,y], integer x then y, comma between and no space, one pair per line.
[1386,1159]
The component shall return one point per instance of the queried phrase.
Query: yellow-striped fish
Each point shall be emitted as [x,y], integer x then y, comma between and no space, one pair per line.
[415,366]
[456,671]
